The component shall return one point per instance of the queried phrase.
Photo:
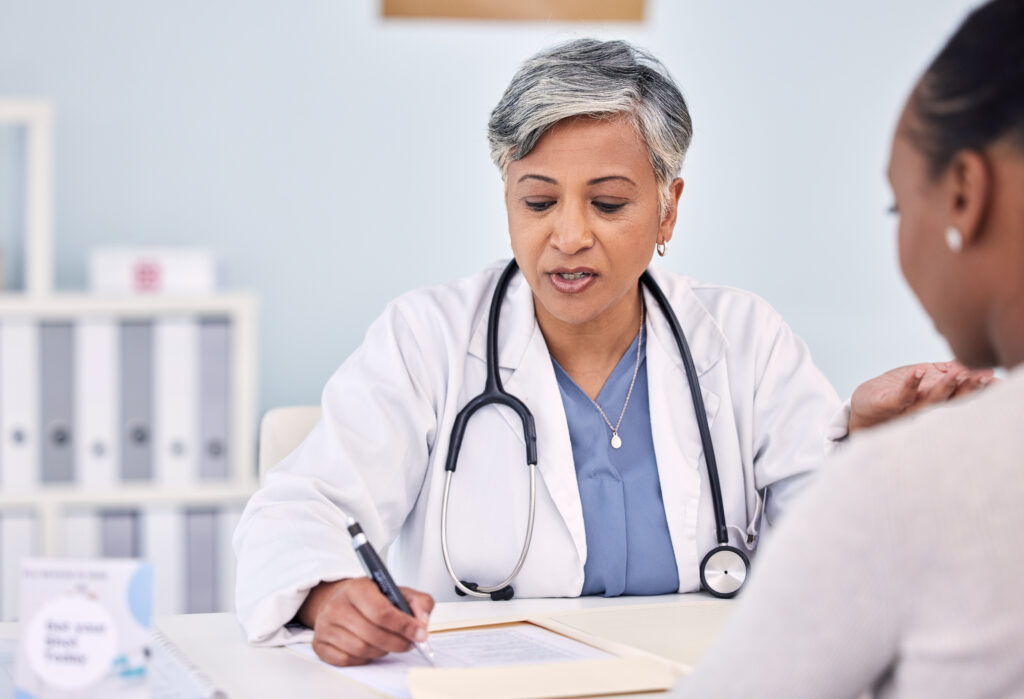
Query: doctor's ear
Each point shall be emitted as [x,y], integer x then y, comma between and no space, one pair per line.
[668,217]
[970,183]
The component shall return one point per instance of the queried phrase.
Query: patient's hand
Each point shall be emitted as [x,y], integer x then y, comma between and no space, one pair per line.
[354,623]
[910,388]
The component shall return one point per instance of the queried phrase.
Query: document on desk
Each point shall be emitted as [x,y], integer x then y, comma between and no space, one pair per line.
[501,646]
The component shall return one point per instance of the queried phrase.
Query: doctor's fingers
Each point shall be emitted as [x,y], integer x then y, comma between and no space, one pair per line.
[333,651]
[422,604]
[375,607]
[349,620]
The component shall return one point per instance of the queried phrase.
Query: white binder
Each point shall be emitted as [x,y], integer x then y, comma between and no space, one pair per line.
[176,401]
[227,523]
[163,545]
[97,402]
[17,541]
[82,534]
[19,405]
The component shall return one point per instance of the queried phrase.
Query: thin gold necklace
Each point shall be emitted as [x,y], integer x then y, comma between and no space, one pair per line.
[616,439]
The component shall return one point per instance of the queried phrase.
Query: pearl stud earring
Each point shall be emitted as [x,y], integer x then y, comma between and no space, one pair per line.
[954,239]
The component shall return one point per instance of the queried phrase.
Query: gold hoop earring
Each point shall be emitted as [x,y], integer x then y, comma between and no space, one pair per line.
[660,247]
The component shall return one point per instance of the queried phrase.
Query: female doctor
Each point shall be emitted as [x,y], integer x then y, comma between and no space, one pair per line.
[590,138]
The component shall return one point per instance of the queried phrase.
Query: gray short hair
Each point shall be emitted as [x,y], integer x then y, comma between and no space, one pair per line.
[587,77]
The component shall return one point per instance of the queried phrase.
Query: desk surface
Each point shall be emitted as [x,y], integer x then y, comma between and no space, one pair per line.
[216,643]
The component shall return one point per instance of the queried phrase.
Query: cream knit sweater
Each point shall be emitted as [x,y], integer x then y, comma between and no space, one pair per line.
[899,572]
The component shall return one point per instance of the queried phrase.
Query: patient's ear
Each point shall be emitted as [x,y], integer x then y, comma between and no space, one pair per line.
[971,183]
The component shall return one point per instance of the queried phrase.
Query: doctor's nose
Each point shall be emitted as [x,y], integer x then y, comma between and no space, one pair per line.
[571,231]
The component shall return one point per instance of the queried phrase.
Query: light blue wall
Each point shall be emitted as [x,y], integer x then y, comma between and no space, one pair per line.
[333,159]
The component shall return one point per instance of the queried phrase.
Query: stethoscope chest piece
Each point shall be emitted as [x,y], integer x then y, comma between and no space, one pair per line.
[724,570]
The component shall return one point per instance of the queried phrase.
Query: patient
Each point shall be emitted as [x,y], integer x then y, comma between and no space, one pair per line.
[901,572]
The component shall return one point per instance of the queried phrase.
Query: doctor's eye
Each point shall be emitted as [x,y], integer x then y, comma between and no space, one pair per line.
[608,207]
[539,204]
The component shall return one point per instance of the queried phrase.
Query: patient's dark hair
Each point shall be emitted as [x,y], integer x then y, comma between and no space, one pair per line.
[972,94]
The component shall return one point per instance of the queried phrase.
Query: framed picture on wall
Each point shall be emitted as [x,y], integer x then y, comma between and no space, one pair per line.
[554,10]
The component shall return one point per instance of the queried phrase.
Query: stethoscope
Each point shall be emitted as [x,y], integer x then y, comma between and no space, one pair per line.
[722,571]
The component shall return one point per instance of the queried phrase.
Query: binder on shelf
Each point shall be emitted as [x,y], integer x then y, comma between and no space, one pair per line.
[97,402]
[176,401]
[201,555]
[17,541]
[215,396]
[136,401]
[82,536]
[227,522]
[119,534]
[19,405]
[163,545]
[56,360]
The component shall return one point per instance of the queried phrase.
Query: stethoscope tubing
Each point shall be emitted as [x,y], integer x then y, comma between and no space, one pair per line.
[714,483]
[494,393]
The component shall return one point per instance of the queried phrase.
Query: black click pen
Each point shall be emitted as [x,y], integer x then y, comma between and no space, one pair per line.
[375,568]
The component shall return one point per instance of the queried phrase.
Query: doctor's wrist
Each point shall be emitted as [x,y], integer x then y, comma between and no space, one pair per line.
[310,608]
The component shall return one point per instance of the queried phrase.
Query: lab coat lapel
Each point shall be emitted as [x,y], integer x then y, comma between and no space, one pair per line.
[528,374]
[677,443]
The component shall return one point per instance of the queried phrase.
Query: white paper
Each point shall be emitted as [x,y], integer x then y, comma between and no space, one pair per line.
[522,644]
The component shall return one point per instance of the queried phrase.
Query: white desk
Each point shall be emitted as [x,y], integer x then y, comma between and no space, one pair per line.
[216,643]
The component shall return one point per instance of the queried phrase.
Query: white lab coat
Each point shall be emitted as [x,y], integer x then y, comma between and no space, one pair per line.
[379,450]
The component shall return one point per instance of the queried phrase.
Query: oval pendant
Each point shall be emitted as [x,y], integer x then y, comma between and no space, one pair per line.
[616,442]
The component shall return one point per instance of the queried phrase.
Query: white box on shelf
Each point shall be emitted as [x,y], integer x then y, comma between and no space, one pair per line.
[152,270]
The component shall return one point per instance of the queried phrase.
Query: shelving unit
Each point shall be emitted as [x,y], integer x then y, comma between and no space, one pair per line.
[46,503]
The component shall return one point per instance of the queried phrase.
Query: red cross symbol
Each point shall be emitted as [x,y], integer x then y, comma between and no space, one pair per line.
[147,276]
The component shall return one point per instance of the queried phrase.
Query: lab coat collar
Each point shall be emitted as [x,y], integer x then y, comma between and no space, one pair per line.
[706,340]
[518,322]
[516,325]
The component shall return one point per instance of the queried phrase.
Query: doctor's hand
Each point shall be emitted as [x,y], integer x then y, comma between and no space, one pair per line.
[354,623]
[909,388]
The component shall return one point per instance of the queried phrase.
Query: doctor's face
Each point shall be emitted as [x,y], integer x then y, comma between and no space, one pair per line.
[583,219]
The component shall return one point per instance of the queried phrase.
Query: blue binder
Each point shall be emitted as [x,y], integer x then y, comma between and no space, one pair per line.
[201,560]
[56,402]
[119,534]
[136,401]
[214,399]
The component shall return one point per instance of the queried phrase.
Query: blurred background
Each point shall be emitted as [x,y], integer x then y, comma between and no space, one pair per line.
[333,158]
[299,164]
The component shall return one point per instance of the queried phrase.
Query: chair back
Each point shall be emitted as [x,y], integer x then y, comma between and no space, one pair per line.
[282,430]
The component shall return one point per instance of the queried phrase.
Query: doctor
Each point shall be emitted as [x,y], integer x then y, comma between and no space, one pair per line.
[590,138]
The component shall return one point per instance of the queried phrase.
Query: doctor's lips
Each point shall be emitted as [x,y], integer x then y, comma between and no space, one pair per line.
[572,281]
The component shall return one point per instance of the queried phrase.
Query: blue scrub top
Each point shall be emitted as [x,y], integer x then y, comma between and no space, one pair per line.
[629,550]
